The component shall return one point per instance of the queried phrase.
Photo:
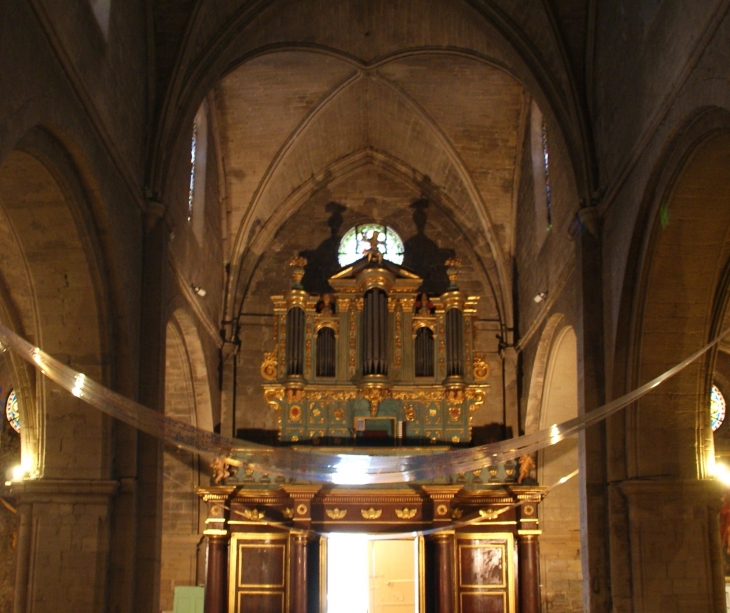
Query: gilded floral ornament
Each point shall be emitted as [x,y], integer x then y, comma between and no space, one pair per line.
[490,514]
[371,513]
[269,366]
[252,514]
[374,395]
[336,513]
[273,397]
[405,513]
[481,367]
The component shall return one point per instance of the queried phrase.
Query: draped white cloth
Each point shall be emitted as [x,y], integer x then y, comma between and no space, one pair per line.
[317,464]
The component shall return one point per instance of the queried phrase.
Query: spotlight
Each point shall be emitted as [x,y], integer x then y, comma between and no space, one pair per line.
[540,297]
[19,472]
[722,474]
[199,290]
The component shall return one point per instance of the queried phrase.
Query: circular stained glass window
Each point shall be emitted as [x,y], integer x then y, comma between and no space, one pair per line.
[717,408]
[357,240]
[12,411]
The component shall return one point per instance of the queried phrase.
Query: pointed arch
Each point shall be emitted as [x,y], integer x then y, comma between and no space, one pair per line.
[187,398]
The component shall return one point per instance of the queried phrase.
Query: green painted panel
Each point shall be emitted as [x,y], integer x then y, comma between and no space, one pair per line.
[188,599]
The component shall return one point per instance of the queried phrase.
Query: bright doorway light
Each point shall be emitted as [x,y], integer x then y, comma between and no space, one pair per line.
[347,573]
[372,574]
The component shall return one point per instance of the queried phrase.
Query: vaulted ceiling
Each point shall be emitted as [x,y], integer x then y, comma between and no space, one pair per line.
[305,92]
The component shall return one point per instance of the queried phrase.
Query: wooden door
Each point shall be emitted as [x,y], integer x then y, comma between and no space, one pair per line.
[393,576]
[485,573]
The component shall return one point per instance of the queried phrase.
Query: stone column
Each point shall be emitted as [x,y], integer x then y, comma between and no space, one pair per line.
[673,545]
[444,572]
[216,576]
[509,385]
[298,565]
[529,571]
[151,395]
[63,540]
[591,395]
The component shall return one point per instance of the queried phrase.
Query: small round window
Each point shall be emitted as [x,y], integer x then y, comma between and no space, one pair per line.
[717,408]
[357,240]
[12,411]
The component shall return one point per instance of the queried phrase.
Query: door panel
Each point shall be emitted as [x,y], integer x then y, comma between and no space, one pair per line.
[392,577]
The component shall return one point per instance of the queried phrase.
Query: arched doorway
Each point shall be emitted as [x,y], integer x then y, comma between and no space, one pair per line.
[187,399]
[553,399]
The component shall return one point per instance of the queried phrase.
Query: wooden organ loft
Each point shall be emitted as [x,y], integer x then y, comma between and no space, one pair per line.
[374,368]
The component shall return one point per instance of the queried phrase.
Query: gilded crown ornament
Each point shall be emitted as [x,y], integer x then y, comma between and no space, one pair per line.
[297,264]
[453,265]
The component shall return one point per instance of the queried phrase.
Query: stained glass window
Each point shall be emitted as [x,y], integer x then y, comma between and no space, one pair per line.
[12,411]
[546,160]
[193,147]
[717,408]
[355,242]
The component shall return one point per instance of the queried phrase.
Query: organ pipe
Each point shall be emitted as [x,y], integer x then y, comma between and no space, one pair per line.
[424,353]
[454,343]
[326,353]
[295,341]
[375,333]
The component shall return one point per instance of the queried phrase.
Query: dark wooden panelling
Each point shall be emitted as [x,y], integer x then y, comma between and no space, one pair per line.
[483,603]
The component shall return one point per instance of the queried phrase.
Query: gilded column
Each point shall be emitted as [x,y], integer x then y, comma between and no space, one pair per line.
[529,571]
[444,571]
[298,561]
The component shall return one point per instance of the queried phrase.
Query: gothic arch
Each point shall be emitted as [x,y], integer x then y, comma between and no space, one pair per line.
[402,173]
[474,26]
[187,399]
[533,415]
[553,398]
[684,263]
[55,296]
[664,443]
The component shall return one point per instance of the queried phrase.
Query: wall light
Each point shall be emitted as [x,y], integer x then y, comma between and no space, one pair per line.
[722,474]
[540,297]
[199,290]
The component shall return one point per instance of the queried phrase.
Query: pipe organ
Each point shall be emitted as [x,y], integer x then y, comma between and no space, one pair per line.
[375,367]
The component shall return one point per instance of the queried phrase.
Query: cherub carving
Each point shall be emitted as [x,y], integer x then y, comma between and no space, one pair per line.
[221,469]
[372,252]
[526,466]
[326,306]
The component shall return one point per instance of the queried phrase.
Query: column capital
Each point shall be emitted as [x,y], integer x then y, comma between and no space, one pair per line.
[90,491]
[154,211]
[650,494]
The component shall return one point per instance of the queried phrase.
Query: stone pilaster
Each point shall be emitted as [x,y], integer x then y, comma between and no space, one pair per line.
[63,540]
[672,537]
[151,394]
[591,395]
